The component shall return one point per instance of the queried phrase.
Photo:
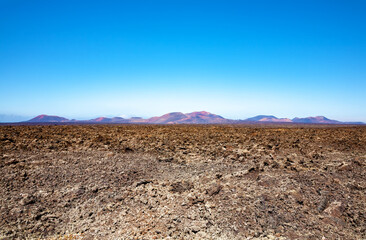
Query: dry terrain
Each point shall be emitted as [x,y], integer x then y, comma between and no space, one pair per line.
[182,182]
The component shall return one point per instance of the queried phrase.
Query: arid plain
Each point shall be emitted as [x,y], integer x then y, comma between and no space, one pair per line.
[183,182]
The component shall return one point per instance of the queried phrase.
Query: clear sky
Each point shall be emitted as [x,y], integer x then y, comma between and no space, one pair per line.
[82,59]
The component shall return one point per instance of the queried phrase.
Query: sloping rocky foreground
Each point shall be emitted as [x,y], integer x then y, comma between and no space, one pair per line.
[182,182]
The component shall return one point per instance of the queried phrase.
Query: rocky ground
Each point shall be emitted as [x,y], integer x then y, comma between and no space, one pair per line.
[182,182]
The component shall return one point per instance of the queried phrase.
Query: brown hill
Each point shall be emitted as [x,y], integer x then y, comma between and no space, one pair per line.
[204,118]
[318,119]
[108,120]
[167,118]
[46,118]
[188,118]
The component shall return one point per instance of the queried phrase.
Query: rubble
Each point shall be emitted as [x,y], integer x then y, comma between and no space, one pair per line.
[182,182]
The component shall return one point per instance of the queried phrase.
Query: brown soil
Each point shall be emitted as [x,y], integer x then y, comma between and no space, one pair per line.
[182,182]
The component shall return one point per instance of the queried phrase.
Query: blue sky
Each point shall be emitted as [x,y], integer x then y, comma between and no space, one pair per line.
[82,59]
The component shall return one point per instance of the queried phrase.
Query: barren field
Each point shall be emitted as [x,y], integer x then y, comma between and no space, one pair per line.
[182,182]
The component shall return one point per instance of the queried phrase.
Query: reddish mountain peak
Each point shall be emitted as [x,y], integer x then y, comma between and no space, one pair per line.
[48,118]
[202,117]
[100,119]
[168,118]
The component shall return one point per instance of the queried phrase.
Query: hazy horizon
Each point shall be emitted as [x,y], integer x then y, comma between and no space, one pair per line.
[237,59]
[16,118]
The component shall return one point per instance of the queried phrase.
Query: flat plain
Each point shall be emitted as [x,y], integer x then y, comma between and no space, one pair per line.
[182,182]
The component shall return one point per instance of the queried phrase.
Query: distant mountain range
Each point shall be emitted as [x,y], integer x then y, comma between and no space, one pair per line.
[189,118]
